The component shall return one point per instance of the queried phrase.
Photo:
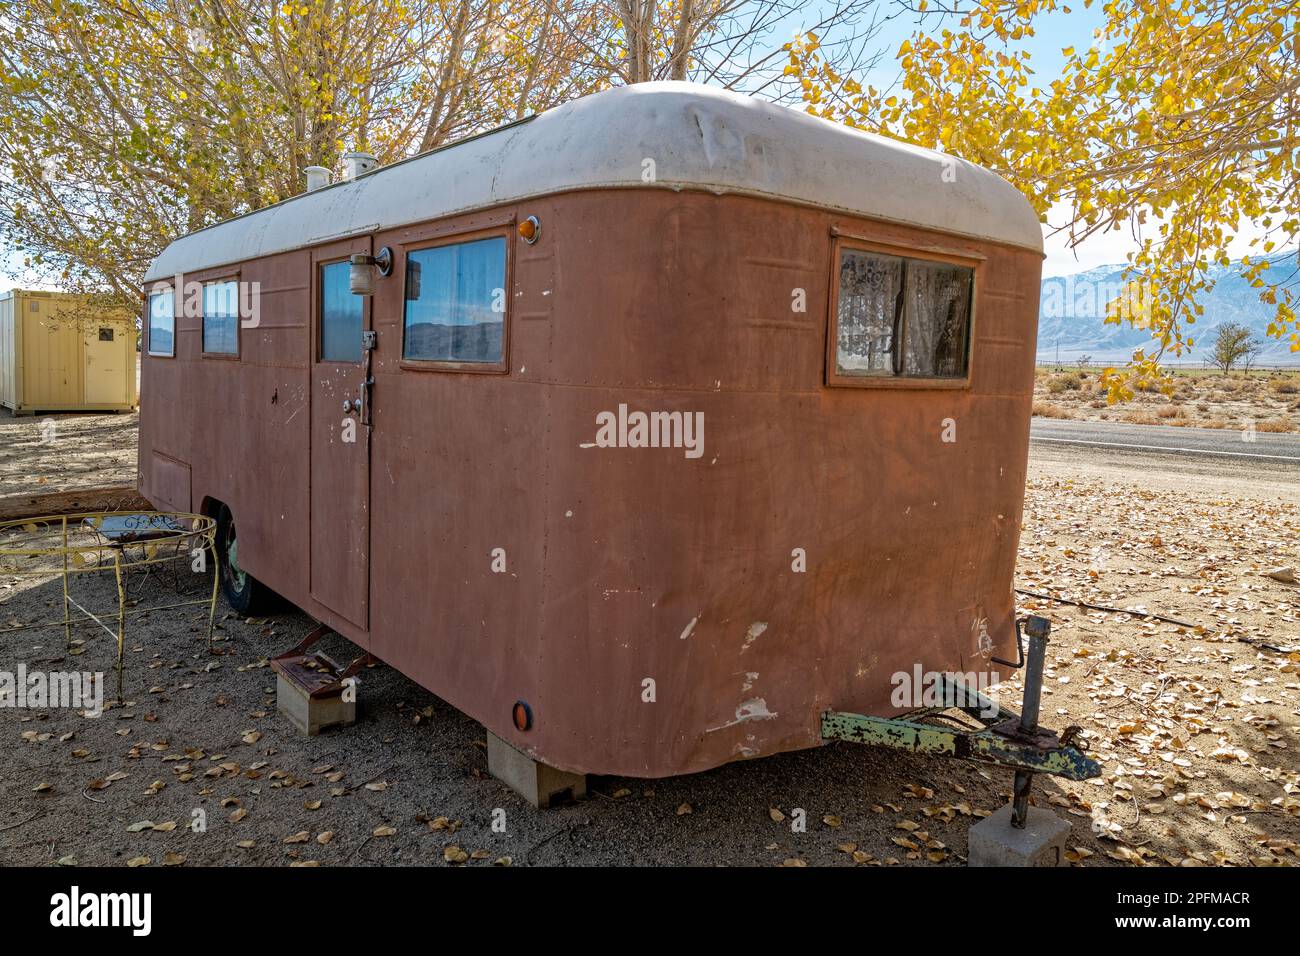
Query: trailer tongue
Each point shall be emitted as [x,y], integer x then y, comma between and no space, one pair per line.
[1010,740]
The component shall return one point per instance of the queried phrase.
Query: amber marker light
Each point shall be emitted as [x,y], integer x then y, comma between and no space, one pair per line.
[523,715]
[530,230]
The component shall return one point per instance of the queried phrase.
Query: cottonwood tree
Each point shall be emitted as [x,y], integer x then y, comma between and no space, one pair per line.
[1179,122]
[737,44]
[124,123]
[490,62]
[1233,343]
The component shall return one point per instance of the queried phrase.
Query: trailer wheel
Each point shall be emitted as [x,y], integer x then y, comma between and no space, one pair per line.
[243,592]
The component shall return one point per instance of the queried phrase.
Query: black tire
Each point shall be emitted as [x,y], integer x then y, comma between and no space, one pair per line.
[244,593]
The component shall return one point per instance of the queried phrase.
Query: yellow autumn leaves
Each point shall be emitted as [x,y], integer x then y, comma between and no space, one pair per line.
[1178,122]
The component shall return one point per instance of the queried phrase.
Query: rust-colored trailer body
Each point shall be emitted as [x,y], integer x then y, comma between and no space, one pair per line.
[659,613]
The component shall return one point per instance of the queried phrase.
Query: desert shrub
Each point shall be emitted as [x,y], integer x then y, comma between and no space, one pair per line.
[1284,386]
[1141,418]
[1048,410]
[1170,411]
[1274,425]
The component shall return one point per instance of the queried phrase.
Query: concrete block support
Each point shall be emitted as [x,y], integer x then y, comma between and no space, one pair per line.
[539,784]
[995,842]
[310,714]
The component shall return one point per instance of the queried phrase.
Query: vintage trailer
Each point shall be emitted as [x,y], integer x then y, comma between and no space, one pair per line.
[673,420]
[65,352]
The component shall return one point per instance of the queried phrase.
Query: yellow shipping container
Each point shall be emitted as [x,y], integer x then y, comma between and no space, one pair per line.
[61,352]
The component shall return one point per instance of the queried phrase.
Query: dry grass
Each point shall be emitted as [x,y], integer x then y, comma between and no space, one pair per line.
[1067,382]
[1140,418]
[1048,410]
[1200,399]
[1274,425]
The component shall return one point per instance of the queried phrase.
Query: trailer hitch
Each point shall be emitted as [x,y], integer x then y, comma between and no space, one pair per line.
[1006,739]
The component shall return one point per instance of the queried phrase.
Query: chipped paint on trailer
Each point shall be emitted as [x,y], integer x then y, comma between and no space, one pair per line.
[654,296]
[753,709]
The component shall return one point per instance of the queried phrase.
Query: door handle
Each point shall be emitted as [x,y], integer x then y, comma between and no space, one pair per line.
[362,402]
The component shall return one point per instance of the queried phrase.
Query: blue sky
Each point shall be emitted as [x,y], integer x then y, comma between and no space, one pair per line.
[1052,33]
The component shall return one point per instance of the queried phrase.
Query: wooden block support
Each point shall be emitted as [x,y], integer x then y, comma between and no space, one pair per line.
[539,784]
[310,714]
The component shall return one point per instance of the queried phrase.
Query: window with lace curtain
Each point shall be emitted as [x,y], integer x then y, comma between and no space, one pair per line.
[899,317]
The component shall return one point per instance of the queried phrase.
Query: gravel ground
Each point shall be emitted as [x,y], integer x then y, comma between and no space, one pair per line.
[40,453]
[1196,728]
[409,761]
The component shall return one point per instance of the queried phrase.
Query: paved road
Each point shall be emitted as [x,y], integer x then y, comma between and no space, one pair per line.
[1271,449]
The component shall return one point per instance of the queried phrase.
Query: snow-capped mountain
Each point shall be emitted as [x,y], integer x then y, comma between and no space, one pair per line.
[1072,317]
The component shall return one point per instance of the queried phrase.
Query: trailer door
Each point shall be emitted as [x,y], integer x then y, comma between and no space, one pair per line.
[340,436]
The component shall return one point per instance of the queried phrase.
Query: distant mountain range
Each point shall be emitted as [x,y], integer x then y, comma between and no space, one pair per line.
[1072,317]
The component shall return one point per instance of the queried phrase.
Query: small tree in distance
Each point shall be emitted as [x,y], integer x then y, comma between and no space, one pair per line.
[1233,343]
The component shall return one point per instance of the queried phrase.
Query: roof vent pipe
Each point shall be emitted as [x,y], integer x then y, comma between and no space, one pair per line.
[317,177]
[358,164]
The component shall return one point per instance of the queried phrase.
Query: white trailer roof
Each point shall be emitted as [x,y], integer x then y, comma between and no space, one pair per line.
[699,137]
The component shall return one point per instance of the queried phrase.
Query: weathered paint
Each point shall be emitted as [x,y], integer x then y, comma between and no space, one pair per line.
[663,301]
[983,746]
[648,136]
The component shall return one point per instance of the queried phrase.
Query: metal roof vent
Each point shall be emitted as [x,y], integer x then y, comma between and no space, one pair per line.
[317,177]
[358,164]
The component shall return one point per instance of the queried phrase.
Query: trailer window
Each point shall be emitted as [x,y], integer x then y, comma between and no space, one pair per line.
[162,323]
[455,302]
[221,318]
[901,317]
[340,316]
